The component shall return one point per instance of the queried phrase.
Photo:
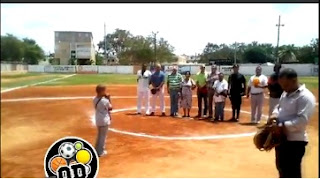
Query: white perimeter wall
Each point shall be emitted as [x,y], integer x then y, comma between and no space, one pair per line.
[13,68]
[302,69]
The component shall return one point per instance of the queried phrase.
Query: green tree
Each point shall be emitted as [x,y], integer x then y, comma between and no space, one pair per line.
[116,41]
[26,50]
[287,54]
[132,49]
[11,48]
[32,52]
[99,59]
[255,55]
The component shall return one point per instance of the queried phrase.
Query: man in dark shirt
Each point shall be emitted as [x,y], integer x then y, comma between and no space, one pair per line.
[237,86]
[274,87]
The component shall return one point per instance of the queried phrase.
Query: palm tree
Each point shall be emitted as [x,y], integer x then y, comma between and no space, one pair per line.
[287,56]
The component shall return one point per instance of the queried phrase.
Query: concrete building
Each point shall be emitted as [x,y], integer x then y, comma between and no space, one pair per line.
[77,45]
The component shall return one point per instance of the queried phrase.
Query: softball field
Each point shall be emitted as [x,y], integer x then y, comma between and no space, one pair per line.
[38,109]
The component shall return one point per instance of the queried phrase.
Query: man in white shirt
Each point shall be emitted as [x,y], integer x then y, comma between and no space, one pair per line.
[220,88]
[256,85]
[293,112]
[143,79]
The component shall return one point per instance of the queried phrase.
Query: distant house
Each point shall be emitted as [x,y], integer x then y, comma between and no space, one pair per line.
[76,45]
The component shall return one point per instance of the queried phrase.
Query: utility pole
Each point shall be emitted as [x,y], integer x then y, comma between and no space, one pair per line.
[235,53]
[105,41]
[155,45]
[277,50]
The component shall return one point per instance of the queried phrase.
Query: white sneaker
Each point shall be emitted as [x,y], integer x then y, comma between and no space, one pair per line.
[103,153]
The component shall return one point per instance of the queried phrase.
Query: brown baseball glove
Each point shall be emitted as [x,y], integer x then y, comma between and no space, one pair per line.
[154,91]
[268,136]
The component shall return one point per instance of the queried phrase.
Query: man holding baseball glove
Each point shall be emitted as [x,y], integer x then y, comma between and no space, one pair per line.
[157,90]
[256,85]
[293,112]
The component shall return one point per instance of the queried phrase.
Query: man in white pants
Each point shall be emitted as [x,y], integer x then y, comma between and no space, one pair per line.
[157,82]
[256,85]
[143,90]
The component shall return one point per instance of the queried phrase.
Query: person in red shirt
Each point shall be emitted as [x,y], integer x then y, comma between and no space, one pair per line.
[274,87]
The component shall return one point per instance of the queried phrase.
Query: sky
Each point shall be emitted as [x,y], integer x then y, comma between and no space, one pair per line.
[187,27]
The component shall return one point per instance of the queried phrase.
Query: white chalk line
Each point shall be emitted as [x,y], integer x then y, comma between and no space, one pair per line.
[211,137]
[74,97]
[34,84]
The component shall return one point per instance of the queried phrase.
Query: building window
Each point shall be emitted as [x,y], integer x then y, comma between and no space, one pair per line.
[79,34]
[57,34]
[87,35]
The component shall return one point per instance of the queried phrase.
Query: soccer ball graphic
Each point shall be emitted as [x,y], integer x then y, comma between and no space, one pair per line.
[67,150]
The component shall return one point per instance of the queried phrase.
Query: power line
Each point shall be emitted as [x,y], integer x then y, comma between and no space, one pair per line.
[155,45]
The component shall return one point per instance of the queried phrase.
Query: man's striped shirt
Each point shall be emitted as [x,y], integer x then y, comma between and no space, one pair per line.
[174,81]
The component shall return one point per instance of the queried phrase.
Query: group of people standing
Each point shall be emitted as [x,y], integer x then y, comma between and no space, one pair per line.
[212,91]
[291,104]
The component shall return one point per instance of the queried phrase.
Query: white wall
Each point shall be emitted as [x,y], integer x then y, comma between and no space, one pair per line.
[125,69]
[60,69]
[36,68]
[302,69]
[6,67]
[87,69]
[107,69]
[116,69]
[13,68]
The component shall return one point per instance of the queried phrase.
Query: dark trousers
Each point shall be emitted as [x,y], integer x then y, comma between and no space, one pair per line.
[288,158]
[236,101]
[219,111]
[174,101]
[210,99]
[204,97]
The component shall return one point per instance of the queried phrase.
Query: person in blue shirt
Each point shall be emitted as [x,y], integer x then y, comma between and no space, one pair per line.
[157,82]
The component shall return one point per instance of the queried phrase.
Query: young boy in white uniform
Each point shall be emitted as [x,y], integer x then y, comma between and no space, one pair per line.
[102,105]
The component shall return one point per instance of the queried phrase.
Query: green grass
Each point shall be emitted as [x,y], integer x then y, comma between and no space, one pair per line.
[90,79]
[310,82]
[20,75]
[21,82]
[93,79]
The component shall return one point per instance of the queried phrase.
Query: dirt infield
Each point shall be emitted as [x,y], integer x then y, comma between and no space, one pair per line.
[28,128]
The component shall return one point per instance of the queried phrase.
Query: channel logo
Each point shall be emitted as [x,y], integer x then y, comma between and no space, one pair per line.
[71,157]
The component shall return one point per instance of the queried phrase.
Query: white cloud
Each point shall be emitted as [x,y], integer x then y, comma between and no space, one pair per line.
[188,27]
